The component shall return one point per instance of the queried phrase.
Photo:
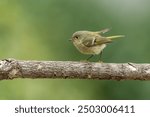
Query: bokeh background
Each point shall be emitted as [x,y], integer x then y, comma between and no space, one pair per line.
[40,29]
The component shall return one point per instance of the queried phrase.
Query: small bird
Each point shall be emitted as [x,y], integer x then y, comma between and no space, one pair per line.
[92,43]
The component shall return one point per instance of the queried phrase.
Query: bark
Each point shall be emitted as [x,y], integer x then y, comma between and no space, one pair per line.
[11,69]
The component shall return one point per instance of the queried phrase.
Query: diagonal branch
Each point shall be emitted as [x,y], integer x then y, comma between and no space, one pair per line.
[11,68]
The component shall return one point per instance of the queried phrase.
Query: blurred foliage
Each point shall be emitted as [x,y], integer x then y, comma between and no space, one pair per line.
[40,29]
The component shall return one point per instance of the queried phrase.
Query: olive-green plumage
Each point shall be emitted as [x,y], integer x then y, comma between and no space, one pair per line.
[88,42]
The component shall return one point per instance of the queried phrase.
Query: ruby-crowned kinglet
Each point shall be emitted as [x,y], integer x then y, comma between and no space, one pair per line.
[92,43]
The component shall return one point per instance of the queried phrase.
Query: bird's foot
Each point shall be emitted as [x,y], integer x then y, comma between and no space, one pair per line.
[100,61]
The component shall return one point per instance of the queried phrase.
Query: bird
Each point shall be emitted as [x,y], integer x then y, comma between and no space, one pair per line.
[92,42]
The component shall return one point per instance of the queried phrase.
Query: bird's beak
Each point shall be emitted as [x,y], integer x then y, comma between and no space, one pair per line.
[70,40]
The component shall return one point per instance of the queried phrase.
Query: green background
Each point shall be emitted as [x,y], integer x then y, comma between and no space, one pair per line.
[40,29]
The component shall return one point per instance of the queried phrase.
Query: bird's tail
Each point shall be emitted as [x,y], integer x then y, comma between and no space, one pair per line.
[114,37]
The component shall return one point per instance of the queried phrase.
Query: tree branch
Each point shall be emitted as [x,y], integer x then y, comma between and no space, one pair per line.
[11,68]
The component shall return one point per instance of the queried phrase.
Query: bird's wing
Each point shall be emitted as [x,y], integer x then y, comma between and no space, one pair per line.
[102,40]
[103,31]
[97,40]
[89,41]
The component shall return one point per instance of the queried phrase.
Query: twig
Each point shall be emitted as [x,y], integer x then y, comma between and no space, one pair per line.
[11,68]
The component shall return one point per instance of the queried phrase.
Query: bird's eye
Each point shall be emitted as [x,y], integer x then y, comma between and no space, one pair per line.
[76,37]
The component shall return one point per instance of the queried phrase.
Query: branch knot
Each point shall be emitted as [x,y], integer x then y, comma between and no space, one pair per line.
[9,69]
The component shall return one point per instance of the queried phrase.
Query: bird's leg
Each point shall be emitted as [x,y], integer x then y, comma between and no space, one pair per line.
[89,57]
[100,56]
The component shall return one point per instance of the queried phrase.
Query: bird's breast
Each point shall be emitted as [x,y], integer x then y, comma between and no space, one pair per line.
[89,50]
